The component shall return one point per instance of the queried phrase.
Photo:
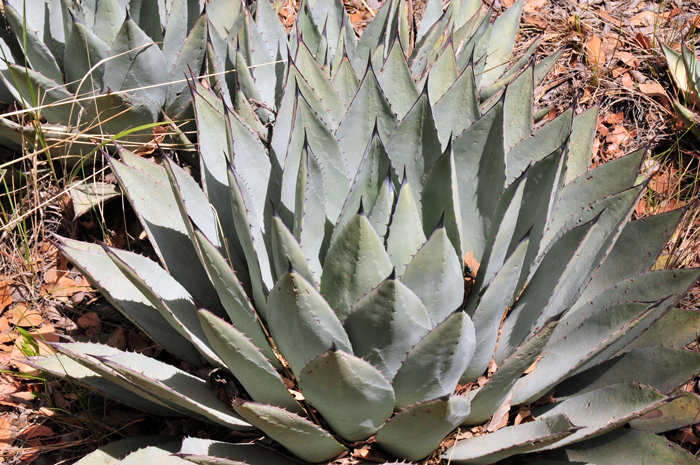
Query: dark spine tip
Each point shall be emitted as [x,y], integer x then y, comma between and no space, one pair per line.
[375,130]
[441,223]
[334,347]
[404,180]
[229,165]
[392,275]
[361,209]
[128,16]
[448,148]
[275,213]
[73,18]
[290,267]
[445,398]
[369,64]
[387,179]
[425,86]
[195,228]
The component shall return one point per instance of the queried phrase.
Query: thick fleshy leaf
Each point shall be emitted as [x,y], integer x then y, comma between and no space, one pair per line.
[380,214]
[603,181]
[113,113]
[161,454]
[367,183]
[247,363]
[490,397]
[210,452]
[356,262]
[102,273]
[190,57]
[369,108]
[182,16]
[573,265]
[624,446]
[250,234]
[385,324]
[426,424]
[480,161]
[414,146]
[634,252]
[666,285]
[301,322]
[397,82]
[45,92]
[517,108]
[109,17]
[319,82]
[64,367]
[677,328]
[509,441]
[441,199]
[490,310]
[114,452]
[583,131]
[666,369]
[433,12]
[443,72]
[310,224]
[303,438]
[435,364]
[174,386]
[444,292]
[353,396]
[576,339]
[83,51]
[458,108]
[406,231]
[679,413]
[233,298]
[166,295]
[538,145]
[603,409]
[36,51]
[501,43]
[309,129]
[345,82]
[371,37]
[164,225]
[286,250]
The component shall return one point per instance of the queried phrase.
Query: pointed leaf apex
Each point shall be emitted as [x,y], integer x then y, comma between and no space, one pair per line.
[425,87]
[229,165]
[128,16]
[361,209]
[375,130]
[441,223]
[275,213]
[404,180]
[388,181]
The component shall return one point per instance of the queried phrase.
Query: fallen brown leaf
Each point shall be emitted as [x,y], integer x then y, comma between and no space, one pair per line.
[627,58]
[645,18]
[37,431]
[22,316]
[500,417]
[627,81]
[594,52]
[117,339]
[5,293]
[470,261]
[91,323]
[52,275]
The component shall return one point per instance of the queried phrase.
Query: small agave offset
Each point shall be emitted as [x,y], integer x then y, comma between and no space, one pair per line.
[324,252]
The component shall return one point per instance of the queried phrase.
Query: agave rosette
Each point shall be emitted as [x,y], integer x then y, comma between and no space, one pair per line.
[324,252]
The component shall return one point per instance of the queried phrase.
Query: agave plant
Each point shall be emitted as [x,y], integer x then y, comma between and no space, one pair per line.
[685,70]
[319,267]
[94,68]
